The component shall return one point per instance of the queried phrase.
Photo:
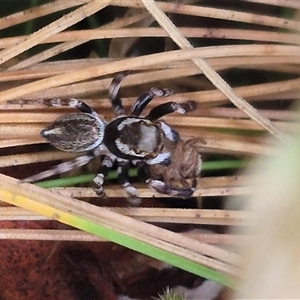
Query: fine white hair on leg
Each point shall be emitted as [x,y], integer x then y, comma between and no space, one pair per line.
[162,158]
[130,190]
[155,92]
[99,179]
[170,133]
[156,184]
[73,102]
[108,162]
[132,194]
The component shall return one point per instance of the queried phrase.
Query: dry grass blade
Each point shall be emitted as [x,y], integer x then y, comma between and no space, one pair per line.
[75,41]
[133,63]
[57,26]
[217,80]
[106,32]
[163,215]
[213,187]
[12,189]
[80,236]
[37,12]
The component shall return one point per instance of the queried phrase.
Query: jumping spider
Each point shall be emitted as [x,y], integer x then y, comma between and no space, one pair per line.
[127,138]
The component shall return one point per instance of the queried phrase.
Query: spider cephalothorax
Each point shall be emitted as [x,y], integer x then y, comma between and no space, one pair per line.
[127,138]
[130,138]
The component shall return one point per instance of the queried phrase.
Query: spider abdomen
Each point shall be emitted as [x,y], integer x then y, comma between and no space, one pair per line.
[77,132]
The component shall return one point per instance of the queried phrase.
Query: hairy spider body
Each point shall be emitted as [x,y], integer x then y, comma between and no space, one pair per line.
[127,138]
[78,132]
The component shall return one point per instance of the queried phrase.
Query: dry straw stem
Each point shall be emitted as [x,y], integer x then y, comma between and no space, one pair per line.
[211,187]
[18,142]
[30,158]
[250,58]
[246,57]
[215,238]
[107,32]
[162,215]
[269,91]
[44,118]
[285,89]
[208,71]
[58,205]
[144,192]
[80,236]
[140,62]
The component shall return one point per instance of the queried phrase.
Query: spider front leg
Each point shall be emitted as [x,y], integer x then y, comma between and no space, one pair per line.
[113,94]
[170,107]
[167,108]
[145,98]
[141,102]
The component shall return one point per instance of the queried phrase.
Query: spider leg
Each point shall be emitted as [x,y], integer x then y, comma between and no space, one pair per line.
[62,167]
[113,94]
[168,189]
[82,106]
[167,108]
[163,158]
[124,180]
[106,165]
[170,133]
[71,102]
[145,98]
[161,187]
[170,107]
